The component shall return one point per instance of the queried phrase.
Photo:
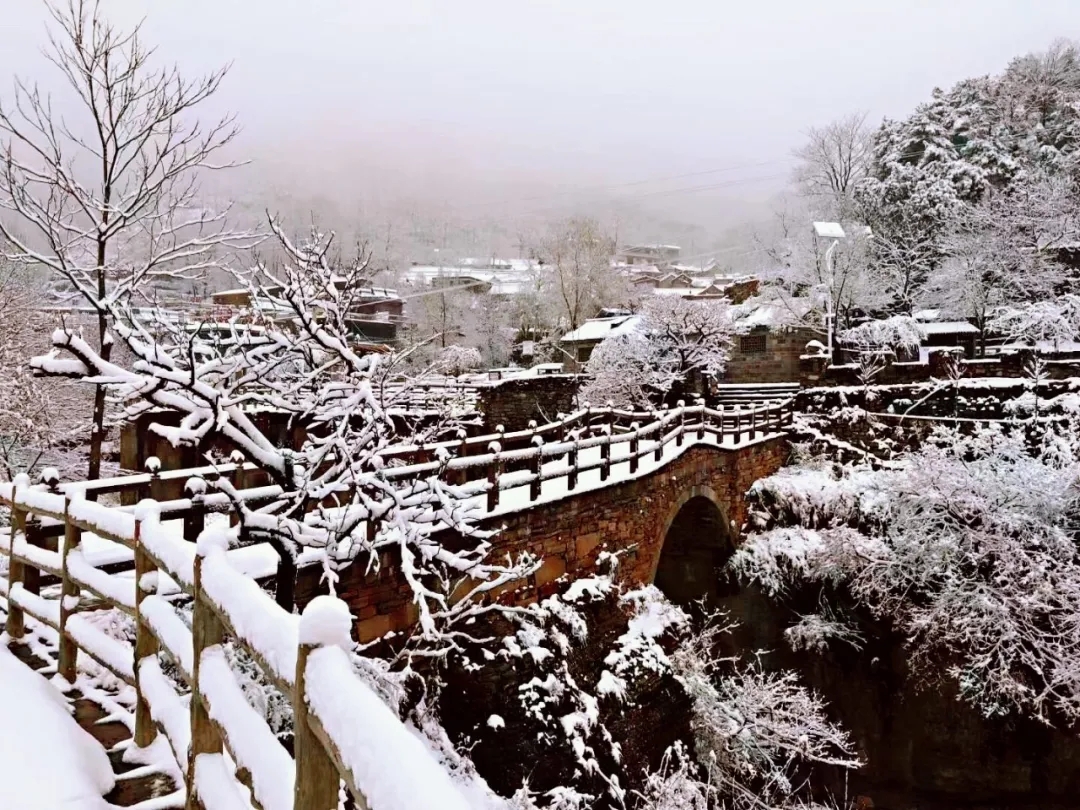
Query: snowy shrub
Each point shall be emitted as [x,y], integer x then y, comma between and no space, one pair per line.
[814,631]
[897,332]
[263,696]
[753,730]
[677,785]
[968,545]
[456,360]
[673,339]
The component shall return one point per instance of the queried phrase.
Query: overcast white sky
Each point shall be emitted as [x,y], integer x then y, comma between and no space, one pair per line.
[578,92]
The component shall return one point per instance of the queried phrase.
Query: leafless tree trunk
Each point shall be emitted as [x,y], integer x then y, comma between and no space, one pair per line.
[832,161]
[108,198]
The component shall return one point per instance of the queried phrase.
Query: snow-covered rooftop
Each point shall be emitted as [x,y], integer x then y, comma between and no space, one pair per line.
[949,328]
[758,311]
[683,291]
[599,328]
[829,230]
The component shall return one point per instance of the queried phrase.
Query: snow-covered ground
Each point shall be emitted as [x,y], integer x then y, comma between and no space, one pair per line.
[46,761]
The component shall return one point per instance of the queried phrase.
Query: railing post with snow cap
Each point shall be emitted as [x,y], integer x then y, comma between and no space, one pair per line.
[15,626]
[146,643]
[753,422]
[537,466]
[206,631]
[494,473]
[701,424]
[738,423]
[682,422]
[605,454]
[572,459]
[325,622]
[720,408]
[635,441]
[239,481]
[195,518]
[69,598]
[659,452]
[462,475]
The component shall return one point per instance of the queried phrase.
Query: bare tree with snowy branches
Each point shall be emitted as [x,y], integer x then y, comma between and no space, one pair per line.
[108,200]
[299,357]
[672,340]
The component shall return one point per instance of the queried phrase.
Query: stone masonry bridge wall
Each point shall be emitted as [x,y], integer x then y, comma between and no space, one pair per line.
[569,534]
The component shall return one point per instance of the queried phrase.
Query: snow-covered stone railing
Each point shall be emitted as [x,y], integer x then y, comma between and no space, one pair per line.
[370,750]
[523,458]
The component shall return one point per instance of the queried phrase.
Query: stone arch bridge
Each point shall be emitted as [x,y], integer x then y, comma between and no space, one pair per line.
[663,489]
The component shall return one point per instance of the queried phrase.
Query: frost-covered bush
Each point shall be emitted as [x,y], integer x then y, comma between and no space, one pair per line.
[672,339]
[969,546]
[456,360]
[586,688]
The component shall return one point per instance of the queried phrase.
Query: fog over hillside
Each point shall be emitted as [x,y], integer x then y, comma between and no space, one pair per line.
[469,126]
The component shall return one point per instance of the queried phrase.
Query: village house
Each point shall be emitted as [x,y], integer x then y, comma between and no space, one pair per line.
[660,256]
[375,313]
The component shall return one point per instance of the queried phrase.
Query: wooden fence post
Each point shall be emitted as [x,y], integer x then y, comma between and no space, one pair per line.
[69,598]
[462,475]
[239,481]
[701,424]
[206,631]
[605,456]
[31,573]
[146,643]
[738,423]
[317,778]
[195,519]
[659,452]
[682,423]
[15,626]
[634,443]
[494,473]
[571,475]
[538,466]
[753,422]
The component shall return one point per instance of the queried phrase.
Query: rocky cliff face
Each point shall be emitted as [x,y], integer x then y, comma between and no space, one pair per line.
[924,746]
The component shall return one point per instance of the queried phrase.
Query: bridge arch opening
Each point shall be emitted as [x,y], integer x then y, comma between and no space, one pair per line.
[697,543]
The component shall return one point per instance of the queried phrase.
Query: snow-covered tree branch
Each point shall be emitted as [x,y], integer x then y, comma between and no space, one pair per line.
[297,356]
[108,200]
[672,340]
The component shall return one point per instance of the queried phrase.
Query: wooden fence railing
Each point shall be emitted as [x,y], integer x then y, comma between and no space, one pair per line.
[496,461]
[226,604]
[524,458]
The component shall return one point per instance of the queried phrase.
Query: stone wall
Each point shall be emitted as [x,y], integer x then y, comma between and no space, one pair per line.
[569,534]
[514,403]
[924,746]
[964,399]
[816,371]
[779,362]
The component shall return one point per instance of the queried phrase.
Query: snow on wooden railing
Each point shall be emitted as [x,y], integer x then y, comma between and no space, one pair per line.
[217,720]
[342,730]
[524,458]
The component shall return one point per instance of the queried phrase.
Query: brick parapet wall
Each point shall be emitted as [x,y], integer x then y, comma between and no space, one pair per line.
[570,534]
[778,363]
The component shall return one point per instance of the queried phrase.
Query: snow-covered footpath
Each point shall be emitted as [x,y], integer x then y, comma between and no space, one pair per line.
[46,761]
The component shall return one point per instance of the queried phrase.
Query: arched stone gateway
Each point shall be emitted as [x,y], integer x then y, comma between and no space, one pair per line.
[697,543]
